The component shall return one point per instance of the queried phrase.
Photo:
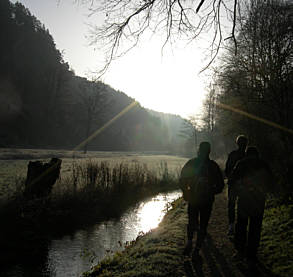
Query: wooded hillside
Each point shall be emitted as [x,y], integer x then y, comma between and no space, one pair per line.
[44,104]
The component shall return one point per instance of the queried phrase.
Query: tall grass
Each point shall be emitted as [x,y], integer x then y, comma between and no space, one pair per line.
[110,188]
[90,191]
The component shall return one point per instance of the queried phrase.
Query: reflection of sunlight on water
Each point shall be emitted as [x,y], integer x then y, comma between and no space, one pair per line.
[151,213]
[65,255]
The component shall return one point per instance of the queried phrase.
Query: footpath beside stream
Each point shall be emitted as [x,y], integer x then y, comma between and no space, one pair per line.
[159,252]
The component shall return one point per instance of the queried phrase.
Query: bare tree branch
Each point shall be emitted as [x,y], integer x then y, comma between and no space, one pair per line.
[126,21]
[199,6]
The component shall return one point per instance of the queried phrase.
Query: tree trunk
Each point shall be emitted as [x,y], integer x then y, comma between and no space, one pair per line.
[41,178]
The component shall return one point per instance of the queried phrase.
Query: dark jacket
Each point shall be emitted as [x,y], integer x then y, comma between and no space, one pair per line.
[197,166]
[251,180]
[233,158]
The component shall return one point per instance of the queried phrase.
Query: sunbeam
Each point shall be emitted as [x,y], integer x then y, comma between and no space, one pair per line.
[249,115]
[106,125]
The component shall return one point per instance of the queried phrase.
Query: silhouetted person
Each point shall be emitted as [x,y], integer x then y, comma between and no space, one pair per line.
[251,179]
[233,158]
[200,179]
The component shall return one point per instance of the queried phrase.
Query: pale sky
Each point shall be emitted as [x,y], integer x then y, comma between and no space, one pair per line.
[168,83]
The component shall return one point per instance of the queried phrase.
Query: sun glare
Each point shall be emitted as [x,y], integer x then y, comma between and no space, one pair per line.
[168,83]
[151,215]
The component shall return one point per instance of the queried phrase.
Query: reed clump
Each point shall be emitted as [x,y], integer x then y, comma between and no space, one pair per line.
[89,191]
[110,187]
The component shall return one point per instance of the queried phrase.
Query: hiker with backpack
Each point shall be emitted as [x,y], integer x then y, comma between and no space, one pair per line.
[233,158]
[200,179]
[251,180]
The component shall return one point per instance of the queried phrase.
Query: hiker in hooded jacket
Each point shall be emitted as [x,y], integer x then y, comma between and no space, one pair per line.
[200,179]
[233,158]
[251,180]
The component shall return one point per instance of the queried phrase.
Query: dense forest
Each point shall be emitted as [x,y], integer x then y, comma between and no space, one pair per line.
[45,105]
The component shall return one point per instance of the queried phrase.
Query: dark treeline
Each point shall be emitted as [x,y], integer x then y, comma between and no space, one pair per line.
[44,104]
[252,88]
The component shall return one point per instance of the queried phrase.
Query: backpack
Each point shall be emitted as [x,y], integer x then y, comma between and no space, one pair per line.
[197,189]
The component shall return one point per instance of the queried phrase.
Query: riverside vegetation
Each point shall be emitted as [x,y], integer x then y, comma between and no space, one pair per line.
[88,191]
[92,189]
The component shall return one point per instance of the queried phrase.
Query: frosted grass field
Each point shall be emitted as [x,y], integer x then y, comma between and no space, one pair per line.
[13,163]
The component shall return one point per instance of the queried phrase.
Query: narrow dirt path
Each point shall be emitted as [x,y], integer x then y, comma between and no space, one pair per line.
[218,250]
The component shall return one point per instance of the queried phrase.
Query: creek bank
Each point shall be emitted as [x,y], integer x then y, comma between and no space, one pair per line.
[92,192]
[159,252]
[24,237]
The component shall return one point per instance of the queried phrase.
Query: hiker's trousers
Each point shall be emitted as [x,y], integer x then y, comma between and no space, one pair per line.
[198,219]
[231,205]
[248,232]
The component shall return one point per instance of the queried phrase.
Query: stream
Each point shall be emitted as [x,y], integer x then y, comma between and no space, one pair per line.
[73,254]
